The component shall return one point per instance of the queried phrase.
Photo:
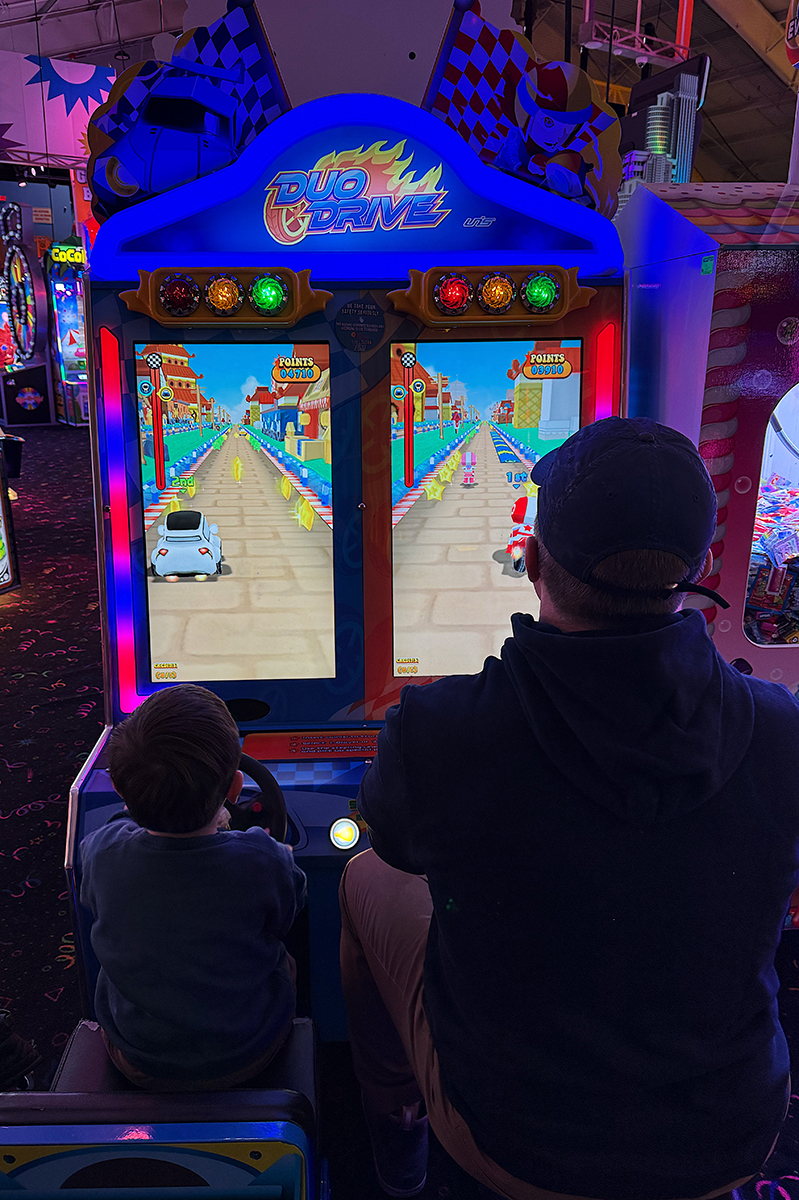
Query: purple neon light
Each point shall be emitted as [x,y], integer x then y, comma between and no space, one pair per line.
[121,568]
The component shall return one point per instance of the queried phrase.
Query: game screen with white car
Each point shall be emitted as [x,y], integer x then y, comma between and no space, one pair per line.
[468,422]
[235,453]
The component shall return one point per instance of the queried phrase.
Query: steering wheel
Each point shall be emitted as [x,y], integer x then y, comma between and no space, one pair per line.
[271,811]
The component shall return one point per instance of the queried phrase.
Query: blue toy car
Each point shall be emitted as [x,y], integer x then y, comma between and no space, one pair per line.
[187,545]
[186,129]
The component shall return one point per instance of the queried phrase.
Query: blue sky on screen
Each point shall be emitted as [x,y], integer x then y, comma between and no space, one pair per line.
[480,367]
[232,372]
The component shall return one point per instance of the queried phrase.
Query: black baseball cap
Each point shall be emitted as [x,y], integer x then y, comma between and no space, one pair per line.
[626,484]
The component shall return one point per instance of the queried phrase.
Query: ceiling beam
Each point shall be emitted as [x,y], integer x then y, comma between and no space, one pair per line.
[757,27]
[82,10]
[734,73]
[758,135]
[786,98]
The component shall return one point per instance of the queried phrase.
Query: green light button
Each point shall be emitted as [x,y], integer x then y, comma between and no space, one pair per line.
[269,294]
[541,292]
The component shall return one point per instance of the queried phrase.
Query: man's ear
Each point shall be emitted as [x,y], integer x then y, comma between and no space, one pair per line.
[234,791]
[707,566]
[531,560]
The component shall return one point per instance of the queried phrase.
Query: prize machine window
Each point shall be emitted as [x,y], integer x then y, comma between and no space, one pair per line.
[771,615]
[468,422]
[235,454]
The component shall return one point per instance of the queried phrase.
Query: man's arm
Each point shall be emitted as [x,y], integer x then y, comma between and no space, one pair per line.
[384,801]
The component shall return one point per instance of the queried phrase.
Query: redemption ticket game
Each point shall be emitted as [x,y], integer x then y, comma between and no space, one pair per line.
[67,263]
[321,379]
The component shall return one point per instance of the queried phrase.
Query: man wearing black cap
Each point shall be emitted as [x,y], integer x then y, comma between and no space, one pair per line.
[581,991]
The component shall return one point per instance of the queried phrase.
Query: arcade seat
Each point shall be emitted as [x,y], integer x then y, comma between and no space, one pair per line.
[86,1067]
[94,1130]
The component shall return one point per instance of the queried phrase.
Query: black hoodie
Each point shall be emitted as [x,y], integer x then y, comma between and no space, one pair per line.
[609,824]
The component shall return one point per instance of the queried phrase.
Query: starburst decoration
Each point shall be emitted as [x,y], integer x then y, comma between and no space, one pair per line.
[7,143]
[95,88]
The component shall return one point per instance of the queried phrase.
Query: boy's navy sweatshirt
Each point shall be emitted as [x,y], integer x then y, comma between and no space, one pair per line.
[609,824]
[194,982]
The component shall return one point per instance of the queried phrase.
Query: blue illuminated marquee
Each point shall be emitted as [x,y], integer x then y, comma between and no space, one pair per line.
[355,187]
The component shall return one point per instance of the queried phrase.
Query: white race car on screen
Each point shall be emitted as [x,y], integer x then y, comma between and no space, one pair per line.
[187,545]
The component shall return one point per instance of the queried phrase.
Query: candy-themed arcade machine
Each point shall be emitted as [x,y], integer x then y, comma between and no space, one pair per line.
[747,416]
[319,381]
[66,264]
[25,384]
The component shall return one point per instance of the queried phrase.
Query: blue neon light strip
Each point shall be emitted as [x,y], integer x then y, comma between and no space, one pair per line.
[364,233]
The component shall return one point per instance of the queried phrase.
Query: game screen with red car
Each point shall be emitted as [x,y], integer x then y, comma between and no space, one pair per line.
[468,422]
[235,453]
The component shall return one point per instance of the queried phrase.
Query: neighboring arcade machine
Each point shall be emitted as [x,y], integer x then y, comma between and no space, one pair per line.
[9,566]
[66,264]
[749,415]
[319,387]
[26,395]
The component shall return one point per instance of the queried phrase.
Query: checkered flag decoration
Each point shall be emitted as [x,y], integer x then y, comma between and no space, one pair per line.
[475,78]
[236,55]
[474,82]
[238,40]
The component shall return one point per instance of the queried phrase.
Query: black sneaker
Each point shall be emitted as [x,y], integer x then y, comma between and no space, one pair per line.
[399,1148]
[18,1057]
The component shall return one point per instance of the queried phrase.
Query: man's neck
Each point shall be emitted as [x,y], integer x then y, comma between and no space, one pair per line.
[549,615]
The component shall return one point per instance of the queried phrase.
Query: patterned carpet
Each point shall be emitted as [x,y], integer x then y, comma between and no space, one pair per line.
[51,708]
[50,717]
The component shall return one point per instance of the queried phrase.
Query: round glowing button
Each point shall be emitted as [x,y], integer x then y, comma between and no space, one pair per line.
[344,833]
[540,292]
[269,294]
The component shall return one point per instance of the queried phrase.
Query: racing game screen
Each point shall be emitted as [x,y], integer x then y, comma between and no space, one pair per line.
[235,468]
[468,422]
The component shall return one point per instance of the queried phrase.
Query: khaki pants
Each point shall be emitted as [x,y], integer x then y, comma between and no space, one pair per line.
[385,921]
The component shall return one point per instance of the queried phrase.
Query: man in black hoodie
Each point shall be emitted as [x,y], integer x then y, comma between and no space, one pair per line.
[582,988]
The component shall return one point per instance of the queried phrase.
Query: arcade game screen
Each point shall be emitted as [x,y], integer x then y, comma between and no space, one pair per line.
[67,296]
[468,422]
[236,480]
[69,342]
[771,615]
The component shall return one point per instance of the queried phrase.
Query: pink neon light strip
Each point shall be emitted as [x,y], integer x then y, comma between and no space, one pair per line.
[121,569]
[604,374]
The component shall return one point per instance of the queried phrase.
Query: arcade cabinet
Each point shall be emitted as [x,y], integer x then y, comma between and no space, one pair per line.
[26,395]
[747,416]
[66,264]
[9,566]
[283,427]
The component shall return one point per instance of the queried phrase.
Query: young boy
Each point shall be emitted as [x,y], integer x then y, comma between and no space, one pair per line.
[195,990]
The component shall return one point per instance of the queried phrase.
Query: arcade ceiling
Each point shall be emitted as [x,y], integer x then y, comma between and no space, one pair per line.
[327,46]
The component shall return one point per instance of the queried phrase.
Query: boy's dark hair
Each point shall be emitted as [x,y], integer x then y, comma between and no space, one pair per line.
[638,570]
[174,759]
